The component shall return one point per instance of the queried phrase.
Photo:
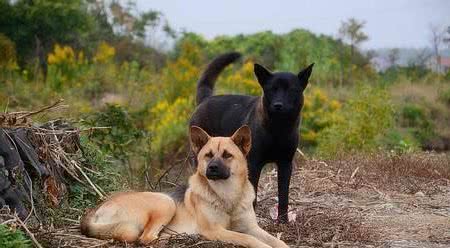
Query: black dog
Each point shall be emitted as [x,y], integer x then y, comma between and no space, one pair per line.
[273,118]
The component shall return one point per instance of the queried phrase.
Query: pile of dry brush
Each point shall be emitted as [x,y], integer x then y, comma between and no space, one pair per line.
[37,162]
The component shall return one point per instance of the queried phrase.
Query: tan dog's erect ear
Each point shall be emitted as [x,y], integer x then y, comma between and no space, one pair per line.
[243,139]
[198,138]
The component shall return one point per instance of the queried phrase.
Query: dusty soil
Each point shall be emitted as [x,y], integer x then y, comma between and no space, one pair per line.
[356,201]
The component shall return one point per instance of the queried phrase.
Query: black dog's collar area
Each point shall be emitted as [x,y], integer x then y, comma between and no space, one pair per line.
[217,170]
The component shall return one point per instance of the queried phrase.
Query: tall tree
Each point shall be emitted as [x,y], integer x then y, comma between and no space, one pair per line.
[35,25]
[447,38]
[393,56]
[351,31]
[436,37]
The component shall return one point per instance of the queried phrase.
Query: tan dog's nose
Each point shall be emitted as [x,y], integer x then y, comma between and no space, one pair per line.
[217,170]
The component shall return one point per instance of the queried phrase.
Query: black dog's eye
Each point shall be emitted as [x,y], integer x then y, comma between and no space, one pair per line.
[226,155]
[209,154]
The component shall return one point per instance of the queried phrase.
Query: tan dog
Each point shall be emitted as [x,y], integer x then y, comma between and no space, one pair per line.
[216,204]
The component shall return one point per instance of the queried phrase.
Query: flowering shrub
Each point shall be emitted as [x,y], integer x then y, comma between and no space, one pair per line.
[359,124]
[170,114]
[105,53]
[318,113]
[8,58]
[241,81]
[169,125]
[64,65]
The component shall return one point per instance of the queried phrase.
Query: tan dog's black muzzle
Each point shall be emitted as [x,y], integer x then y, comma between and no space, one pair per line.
[217,170]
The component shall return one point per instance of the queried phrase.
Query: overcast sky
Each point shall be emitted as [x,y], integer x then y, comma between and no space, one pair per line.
[390,23]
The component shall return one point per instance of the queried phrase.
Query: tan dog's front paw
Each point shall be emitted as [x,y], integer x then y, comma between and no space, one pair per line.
[147,240]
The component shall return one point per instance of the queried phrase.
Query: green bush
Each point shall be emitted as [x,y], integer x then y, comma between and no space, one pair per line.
[107,175]
[400,141]
[120,136]
[444,96]
[318,113]
[417,121]
[413,116]
[13,238]
[360,123]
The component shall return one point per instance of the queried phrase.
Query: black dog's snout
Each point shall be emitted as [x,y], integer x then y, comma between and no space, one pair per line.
[278,105]
[217,170]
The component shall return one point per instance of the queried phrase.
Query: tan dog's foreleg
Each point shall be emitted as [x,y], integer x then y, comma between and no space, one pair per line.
[222,234]
[248,224]
[265,237]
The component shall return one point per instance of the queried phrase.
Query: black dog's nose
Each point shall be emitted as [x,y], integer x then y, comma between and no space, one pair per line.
[278,105]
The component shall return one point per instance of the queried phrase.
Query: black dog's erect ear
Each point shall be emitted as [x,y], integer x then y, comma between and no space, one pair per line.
[262,74]
[243,139]
[198,138]
[304,75]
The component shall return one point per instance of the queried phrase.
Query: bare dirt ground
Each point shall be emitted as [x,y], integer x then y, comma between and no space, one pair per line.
[378,201]
[356,201]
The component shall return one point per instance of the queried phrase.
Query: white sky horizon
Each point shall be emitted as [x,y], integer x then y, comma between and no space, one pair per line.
[394,23]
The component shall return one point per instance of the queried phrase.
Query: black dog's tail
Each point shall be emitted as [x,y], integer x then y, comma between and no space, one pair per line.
[206,82]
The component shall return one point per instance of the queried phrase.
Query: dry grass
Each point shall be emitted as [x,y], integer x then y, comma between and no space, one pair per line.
[322,226]
[428,96]
[415,92]
[338,203]
[405,173]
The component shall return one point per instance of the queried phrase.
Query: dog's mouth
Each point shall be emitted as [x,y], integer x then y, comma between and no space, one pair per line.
[280,110]
[217,177]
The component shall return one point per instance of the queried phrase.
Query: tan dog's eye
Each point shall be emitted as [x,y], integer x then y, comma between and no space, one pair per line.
[209,154]
[226,155]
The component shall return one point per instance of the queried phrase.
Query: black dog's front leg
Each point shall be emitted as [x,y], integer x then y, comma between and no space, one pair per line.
[254,171]
[284,178]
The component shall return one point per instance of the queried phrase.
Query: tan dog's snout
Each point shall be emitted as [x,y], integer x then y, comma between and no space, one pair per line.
[217,170]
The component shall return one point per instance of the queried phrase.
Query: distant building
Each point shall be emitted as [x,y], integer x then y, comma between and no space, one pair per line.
[445,64]
[441,65]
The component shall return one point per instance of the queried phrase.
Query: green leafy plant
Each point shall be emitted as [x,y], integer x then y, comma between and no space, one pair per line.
[318,113]
[104,173]
[13,238]
[444,96]
[400,141]
[359,124]
[417,121]
[120,137]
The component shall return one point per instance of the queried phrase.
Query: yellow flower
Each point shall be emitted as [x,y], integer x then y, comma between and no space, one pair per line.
[81,59]
[61,55]
[335,105]
[104,53]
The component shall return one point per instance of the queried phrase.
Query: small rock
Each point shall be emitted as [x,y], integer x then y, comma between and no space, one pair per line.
[420,194]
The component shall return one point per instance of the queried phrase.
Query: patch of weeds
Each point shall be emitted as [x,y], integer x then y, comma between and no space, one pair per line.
[400,142]
[103,172]
[13,238]
[444,96]
[359,124]
[417,121]
[121,138]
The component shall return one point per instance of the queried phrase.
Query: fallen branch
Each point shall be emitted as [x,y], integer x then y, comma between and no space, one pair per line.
[41,110]
[89,180]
